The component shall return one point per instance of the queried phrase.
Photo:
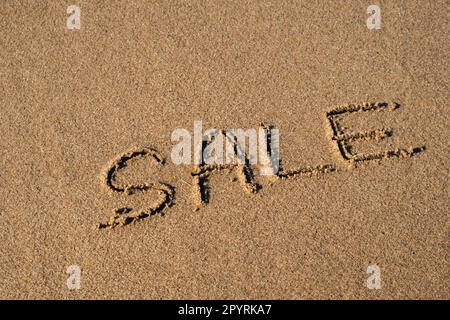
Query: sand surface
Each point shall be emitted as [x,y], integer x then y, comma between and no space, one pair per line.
[73,101]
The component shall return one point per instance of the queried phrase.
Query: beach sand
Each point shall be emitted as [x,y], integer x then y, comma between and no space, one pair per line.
[73,101]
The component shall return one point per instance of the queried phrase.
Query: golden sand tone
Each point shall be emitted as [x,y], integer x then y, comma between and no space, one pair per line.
[87,177]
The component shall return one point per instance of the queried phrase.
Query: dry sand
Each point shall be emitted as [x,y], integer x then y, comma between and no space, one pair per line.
[72,101]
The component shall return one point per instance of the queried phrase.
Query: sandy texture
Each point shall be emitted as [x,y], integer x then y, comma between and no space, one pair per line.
[73,102]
